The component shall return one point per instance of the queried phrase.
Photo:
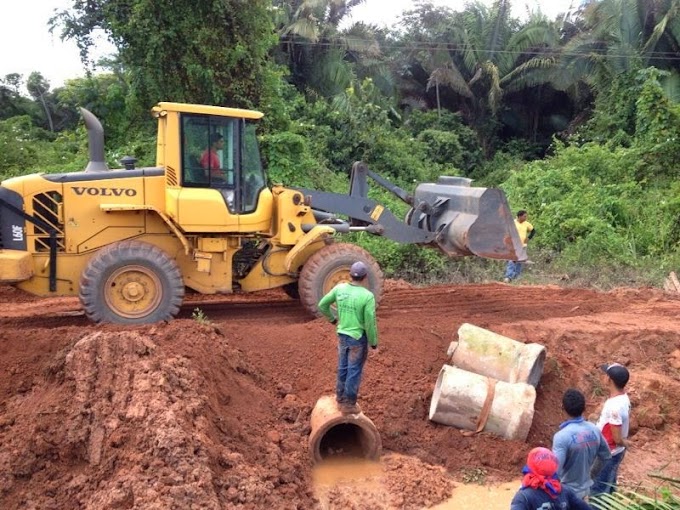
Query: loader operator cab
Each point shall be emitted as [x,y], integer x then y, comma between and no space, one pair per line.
[215,151]
[218,183]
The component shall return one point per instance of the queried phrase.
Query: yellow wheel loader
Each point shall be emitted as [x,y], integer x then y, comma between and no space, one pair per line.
[129,241]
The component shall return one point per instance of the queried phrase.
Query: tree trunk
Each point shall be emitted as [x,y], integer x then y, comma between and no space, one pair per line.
[536,116]
[47,112]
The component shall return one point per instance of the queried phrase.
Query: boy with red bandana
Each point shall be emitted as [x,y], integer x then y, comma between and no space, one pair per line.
[541,489]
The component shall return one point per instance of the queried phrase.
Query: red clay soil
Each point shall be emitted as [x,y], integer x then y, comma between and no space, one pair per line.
[184,415]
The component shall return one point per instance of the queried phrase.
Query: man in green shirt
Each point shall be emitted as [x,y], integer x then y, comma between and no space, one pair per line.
[356,330]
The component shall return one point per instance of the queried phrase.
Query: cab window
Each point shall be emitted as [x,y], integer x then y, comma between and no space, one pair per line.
[222,153]
[210,154]
[253,177]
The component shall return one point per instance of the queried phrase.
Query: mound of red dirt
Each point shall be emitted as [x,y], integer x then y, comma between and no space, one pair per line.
[161,417]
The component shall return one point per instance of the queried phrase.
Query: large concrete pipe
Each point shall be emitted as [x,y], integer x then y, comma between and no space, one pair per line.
[487,353]
[341,435]
[473,402]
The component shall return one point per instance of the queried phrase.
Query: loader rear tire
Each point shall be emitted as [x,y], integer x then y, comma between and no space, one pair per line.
[131,282]
[330,266]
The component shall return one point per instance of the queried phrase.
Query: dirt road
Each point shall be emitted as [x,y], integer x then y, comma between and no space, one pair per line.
[188,415]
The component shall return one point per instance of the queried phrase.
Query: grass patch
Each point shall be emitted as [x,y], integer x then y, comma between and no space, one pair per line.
[474,475]
[199,316]
[546,268]
[665,496]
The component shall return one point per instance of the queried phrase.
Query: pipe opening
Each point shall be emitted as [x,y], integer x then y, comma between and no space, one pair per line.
[341,436]
[346,440]
[536,369]
[434,403]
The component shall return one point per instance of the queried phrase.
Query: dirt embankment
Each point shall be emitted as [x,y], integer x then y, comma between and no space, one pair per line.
[184,415]
[169,416]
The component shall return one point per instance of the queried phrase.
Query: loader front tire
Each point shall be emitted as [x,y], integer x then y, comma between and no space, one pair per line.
[131,282]
[330,266]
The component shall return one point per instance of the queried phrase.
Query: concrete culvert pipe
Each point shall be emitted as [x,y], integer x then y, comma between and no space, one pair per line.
[341,435]
[487,353]
[459,398]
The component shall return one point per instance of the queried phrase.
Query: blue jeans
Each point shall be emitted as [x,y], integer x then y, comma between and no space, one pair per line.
[513,269]
[351,358]
[605,481]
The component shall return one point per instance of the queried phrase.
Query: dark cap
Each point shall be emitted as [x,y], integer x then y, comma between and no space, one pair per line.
[358,270]
[617,373]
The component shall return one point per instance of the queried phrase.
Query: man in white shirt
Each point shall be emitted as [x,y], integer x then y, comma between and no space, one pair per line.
[614,423]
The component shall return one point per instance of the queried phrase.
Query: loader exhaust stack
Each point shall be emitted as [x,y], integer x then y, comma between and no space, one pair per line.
[95,141]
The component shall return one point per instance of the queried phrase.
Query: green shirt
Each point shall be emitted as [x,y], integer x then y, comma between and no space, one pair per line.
[356,311]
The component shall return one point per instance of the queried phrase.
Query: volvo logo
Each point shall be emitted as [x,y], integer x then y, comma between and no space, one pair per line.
[104,192]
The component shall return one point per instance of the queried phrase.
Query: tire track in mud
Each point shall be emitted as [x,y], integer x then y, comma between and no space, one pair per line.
[228,311]
[479,302]
[494,302]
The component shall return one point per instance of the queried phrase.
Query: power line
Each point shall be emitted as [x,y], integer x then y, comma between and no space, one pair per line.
[443,46]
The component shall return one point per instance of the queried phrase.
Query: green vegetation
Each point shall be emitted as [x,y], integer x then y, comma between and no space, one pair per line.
[664,497]
[200,317]
[575,118]
[474,475]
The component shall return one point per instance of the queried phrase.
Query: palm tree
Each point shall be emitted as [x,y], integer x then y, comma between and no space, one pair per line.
[39,87]
[621,36]
[319,55]
[473,58]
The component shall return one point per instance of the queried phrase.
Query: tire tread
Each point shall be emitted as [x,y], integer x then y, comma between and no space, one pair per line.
[110,257]
[308,282]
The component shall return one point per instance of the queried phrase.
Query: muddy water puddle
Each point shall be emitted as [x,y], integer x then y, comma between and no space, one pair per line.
[349,483]
[345,470]
[492,497]
[398,482]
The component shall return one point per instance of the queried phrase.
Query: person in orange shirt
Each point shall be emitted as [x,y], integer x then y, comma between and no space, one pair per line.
[210,160]
[526,231]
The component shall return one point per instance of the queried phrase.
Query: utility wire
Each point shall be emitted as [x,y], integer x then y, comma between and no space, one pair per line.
[443,46]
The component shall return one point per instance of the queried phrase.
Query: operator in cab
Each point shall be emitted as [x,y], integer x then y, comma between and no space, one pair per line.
[210,161]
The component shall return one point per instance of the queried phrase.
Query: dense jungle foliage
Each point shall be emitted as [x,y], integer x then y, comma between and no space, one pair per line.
[576,118]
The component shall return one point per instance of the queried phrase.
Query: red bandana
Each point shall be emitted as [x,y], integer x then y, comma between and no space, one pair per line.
[550,484]
[540,472]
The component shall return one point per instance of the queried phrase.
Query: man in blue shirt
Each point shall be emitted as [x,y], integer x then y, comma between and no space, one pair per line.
[576,444]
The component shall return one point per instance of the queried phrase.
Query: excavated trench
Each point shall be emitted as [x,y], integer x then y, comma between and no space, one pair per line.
[219,415]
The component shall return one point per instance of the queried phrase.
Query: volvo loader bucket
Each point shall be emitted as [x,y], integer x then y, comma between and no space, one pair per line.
[467,220]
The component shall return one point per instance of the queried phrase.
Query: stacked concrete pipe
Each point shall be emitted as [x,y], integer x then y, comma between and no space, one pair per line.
[335,434]
[492,385]
[459,399]
[487,353]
